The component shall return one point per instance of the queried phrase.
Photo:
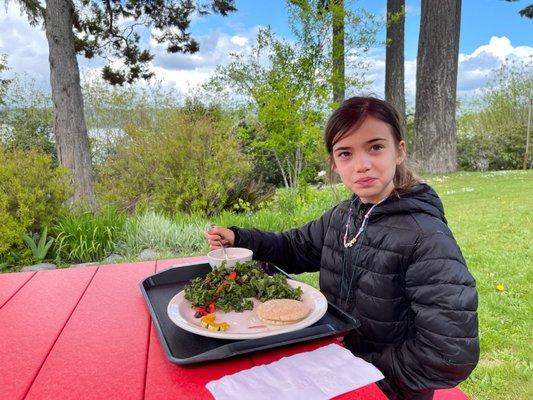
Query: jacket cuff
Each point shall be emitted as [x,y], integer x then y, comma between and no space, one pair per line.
[235,230]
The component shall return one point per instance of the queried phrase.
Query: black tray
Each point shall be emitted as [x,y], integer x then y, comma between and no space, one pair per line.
[183,347]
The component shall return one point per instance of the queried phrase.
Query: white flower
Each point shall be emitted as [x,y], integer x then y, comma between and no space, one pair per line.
[321,174]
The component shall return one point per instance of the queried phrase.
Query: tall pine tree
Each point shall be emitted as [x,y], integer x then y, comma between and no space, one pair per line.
[435,143]
[394,56]
[109,29]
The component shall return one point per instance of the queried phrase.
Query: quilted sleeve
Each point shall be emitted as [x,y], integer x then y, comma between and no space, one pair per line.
[443,302]
[295,251]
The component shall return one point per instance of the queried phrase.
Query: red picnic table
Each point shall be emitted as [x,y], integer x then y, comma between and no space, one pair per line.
[86,333]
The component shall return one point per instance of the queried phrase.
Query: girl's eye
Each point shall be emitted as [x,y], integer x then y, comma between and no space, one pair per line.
[343,154]
[376,147]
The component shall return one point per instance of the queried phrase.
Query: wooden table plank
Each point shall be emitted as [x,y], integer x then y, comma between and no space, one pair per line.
[101,353]
[165,380]
[10,283]
[31,322]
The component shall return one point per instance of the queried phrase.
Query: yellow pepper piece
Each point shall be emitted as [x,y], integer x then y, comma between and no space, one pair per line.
[208,322]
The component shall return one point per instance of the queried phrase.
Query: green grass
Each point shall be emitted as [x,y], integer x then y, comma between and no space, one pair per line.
[86,237]
[176,237]
[491,215]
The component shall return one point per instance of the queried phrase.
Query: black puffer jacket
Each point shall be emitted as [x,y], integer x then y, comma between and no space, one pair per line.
[405,279]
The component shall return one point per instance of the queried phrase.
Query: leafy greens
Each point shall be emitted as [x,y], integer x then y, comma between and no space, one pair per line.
[231,290]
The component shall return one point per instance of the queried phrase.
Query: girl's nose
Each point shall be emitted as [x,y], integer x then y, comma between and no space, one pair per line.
[362,164]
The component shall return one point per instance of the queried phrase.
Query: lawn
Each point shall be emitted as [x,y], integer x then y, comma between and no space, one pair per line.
[491,215]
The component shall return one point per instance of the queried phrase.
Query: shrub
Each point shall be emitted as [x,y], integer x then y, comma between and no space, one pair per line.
[185,160]
[32,192]
[87,237]
[39,244]
[288,209]
[181,236]
[491,136]
[27,122]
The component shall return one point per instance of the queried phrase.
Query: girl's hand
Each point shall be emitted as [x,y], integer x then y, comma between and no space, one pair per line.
[217,235]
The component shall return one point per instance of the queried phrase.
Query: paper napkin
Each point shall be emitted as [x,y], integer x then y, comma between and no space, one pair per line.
[315,375]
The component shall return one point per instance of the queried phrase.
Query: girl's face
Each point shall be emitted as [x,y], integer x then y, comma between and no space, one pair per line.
[366,160]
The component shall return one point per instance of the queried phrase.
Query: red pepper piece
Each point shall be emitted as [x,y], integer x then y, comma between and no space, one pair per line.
[200,312]
[211,308]
[232,275]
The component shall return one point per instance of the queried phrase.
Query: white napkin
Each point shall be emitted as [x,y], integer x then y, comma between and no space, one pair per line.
[315,375]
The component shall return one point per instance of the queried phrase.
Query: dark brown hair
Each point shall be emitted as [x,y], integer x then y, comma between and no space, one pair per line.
[351,114]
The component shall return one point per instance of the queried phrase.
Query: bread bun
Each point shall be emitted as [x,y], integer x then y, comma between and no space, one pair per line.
[282,311]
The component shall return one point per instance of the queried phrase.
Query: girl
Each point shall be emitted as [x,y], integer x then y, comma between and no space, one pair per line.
[386,256]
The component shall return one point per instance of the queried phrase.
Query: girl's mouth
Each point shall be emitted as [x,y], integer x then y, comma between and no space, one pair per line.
[365,182]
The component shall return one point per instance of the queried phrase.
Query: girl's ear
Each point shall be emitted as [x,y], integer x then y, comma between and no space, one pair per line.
[402,152]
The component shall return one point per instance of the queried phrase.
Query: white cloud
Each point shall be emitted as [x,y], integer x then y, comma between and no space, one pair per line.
[27,51]
[187,71]
[25,45]
[239,40]
[182,80]
[215,49]
[500,48]
[474,68]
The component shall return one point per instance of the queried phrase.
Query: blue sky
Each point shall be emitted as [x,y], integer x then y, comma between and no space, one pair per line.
[491,31]
[480,19]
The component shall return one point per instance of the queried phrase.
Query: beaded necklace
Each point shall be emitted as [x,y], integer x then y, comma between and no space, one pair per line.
[350,243]
[361,229]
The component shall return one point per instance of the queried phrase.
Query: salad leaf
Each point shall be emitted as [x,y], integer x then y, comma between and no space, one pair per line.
[234,292]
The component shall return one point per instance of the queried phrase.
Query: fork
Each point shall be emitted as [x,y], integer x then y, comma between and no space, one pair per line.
[208,228]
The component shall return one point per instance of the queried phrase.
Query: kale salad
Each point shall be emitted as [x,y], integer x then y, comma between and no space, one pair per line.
[232,290]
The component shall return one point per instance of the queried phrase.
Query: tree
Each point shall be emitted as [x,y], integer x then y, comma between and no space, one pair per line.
[435,148]
[337,51]
[527,11]
[350,30]
[394,58]
[109,29]
[288,99]
[492,129]
[27,119]
[3,82]
[287,88]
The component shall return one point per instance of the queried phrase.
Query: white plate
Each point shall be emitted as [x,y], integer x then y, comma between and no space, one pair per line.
[244,325]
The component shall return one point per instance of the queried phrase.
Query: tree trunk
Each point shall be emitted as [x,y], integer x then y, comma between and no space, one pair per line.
[435,147]
[394,59]
[69,123]
[337,54]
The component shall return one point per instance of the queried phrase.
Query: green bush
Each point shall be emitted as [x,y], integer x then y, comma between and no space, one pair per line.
[87,237]
[182,160]
[288,208]
[32,192]
[39,245]
[28,121]
[491,135]
[181,236]
[4,83]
